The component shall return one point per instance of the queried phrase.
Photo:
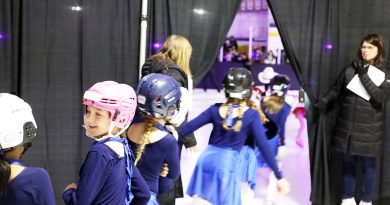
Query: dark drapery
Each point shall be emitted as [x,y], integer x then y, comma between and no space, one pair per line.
[322,37]
[206,32]
[49,55]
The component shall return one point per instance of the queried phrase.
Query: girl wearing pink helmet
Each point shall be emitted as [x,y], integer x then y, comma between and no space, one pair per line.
[108,175]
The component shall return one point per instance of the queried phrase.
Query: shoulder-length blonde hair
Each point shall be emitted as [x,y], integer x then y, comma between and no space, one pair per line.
[178,49]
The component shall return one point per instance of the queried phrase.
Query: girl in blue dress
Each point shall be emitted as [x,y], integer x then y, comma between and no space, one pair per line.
[20,184]
[217,175]
[108,175]
[155,147]
[276,110]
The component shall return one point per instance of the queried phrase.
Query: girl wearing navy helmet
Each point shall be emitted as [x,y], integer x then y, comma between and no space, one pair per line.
[108,175]
[173,59]
[155,147]
[217,175]
[20,184]
[276,110]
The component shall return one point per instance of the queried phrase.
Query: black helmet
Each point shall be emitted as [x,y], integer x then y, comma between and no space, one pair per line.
[238,83]
[279,85]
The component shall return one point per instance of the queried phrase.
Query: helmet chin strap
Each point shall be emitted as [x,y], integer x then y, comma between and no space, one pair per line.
[94,138]
[86,132]
[109,134]
[112,125]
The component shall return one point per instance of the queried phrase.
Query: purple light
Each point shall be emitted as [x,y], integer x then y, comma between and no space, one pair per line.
[156,45]
[2,36]
[328,46]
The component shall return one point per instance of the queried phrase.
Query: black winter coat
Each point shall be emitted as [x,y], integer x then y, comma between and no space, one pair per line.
[359,129]
[165,67]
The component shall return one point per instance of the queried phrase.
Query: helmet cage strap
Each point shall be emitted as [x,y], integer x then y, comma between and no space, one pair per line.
[29,131]
[240,95]
[26,146]
[112,125]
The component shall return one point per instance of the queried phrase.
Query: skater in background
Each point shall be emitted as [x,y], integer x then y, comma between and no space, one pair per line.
[276,109]
[299,112]
[218,181]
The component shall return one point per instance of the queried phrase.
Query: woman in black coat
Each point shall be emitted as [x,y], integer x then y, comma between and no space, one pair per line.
[359,130]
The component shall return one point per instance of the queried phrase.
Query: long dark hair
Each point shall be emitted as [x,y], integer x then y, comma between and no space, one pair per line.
[376,40]
[5,172]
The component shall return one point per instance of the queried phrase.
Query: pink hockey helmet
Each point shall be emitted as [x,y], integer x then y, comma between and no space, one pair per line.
[118,99]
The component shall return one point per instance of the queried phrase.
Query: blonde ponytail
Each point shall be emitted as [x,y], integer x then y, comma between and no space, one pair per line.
[273,104]
[253,105]
[237,126]
[144,139]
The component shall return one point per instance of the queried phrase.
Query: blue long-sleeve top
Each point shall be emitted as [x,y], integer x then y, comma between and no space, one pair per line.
[155,154]
[251,127]
[32,186]
[280,119]
[103,180]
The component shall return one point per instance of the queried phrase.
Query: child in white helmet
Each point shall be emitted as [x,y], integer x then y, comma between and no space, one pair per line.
[20,184]
[108,175]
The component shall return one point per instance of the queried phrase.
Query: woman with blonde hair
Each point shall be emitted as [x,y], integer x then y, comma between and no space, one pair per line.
[172,59]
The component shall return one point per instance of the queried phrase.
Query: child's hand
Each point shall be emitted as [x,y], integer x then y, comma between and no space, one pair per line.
[71,186]
[193,149]
[283,186]
[164,170]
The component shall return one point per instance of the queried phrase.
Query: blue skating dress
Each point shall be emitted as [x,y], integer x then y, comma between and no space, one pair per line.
[217,175]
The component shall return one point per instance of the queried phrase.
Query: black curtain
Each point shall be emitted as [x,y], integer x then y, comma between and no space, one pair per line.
[49,54]
[206,32]
[321,38]
[51,51]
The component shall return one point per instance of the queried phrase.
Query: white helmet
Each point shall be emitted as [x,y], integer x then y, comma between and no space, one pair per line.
[17,124]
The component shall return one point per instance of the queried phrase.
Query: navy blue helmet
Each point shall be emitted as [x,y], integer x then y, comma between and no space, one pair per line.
[158,95]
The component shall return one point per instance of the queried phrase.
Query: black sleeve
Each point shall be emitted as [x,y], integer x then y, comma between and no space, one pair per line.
[186,140]
[179,76]
[146,68]
[377,94]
